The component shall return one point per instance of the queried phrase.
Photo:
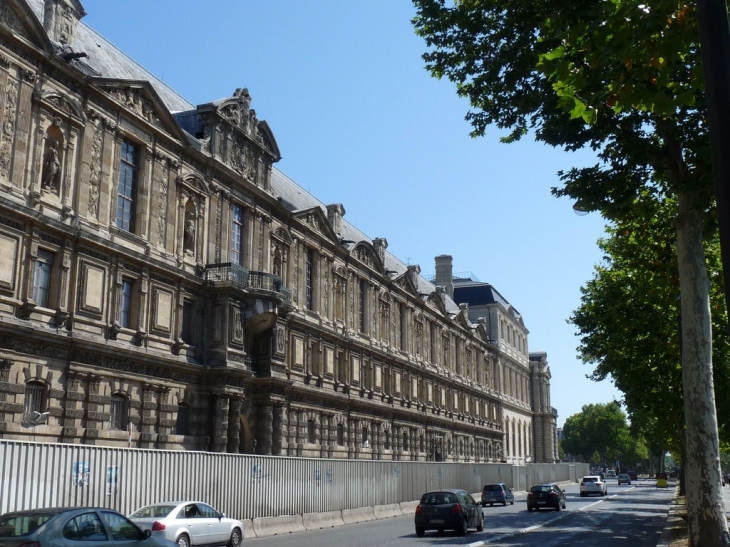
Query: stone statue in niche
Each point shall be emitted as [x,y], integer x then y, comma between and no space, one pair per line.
[189,233]
[51,168]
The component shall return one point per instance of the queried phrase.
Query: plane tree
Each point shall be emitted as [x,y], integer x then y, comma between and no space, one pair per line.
[600,433]
[624,78]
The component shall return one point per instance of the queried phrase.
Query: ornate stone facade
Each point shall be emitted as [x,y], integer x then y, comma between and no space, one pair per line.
[162,285]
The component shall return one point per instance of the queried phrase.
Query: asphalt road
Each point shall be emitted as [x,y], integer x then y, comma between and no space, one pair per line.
[631,516]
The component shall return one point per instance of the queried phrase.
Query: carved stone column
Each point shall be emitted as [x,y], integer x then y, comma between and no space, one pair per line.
[280,431]
[234,425]
[219,442]
[265,418]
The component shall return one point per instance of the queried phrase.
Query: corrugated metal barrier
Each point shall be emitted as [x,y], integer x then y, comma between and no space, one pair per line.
[242,486]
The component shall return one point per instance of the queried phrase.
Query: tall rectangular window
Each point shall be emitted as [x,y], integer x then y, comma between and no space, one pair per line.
[237,236]
[42,278]
[127,188]
[308,275]
[362,291]
[33,397]
[402,326]
[125,312]
[186,335]
[182,425]
[118,412]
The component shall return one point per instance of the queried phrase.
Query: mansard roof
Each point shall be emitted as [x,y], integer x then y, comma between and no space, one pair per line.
[477,293]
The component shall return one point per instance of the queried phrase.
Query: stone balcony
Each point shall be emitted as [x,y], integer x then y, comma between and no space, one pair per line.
[255,283]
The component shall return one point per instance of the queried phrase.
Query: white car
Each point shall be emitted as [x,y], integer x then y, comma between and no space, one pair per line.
[610,474]
[189,524]
[592,484]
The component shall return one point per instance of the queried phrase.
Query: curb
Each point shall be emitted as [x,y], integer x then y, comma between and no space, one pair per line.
[672,519]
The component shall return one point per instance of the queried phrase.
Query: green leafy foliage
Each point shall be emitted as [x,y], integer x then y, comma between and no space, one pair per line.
[600,434]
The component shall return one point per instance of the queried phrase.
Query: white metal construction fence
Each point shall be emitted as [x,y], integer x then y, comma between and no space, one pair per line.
[240,485]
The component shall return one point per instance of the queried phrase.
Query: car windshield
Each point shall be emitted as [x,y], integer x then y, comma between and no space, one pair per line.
[23,524]
[152,512]
[492,488]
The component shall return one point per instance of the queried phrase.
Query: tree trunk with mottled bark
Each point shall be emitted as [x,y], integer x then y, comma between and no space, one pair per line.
[705,508]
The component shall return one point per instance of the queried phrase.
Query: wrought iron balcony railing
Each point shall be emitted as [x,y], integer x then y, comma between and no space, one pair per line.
[245,279]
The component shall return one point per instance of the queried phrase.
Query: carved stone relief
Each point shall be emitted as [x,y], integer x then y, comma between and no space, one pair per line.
[10,116]
[95,171]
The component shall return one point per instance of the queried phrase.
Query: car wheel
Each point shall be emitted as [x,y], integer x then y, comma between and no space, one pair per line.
[484,504]
[563,505]
[512,502]
[480,525]
[183,541]
[557,507]
[504,503]
[236,538]
[529,509]
[420,531]
[462,531]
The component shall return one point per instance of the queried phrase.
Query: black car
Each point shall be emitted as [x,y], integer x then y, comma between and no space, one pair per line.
[545,495]
[632,475]
[448,510]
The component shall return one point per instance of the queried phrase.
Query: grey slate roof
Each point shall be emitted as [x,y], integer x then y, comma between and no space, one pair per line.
[107,61]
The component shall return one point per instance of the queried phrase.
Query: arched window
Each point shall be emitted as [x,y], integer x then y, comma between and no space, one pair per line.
[386,439]
[405,441]
[118,412]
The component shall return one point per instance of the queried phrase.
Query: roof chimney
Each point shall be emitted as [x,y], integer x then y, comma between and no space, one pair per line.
[444,273]
[335,212]
[414,270]
[60,18]
[380,244]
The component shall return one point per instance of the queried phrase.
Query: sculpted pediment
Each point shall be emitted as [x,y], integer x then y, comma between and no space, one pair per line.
[435,302]
[141,99]
[18,18]
[237,110]
[366,253]
[317,221]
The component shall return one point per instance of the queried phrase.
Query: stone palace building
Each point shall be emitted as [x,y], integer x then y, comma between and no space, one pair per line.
[163,285]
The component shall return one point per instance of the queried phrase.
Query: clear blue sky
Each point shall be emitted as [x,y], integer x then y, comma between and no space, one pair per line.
[359,121]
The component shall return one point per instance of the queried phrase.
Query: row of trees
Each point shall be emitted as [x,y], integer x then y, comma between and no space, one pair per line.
[600,434]
[623,78]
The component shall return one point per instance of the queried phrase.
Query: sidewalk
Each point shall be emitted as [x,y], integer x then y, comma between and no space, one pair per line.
[675,533]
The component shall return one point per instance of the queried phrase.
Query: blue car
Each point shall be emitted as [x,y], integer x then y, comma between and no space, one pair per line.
[497,492]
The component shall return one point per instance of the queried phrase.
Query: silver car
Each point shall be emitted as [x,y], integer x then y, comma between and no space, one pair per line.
[189,524]
[73,526]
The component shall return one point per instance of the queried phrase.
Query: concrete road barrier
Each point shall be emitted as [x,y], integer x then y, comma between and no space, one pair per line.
[275,526]
[248,531]
[408,507]
[361,514]
[329,519]
[387,511]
